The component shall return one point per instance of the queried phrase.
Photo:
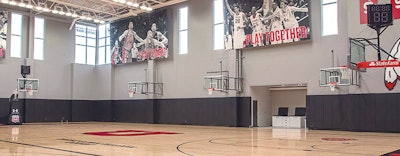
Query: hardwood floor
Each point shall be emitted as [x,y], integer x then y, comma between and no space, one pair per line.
[127,139]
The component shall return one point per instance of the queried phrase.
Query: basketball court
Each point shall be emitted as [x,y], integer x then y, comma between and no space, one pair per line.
[149,139]
[150,77]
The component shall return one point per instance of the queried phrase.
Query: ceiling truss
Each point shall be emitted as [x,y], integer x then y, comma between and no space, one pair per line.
[98,11]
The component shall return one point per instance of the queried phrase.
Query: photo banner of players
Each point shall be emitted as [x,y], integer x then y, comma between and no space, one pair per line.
[255,23]
[3,33]
[139,38]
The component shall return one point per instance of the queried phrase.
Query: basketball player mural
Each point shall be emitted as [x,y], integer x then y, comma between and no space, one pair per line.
[276,24]
[239,20]
[3,33]
[139,38]
[115,53]
[154,44]
[128,45]
[392,74]
[289,20]
[267,22]
[257,27]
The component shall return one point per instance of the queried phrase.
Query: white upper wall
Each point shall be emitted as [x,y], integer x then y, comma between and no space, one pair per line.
[182,75]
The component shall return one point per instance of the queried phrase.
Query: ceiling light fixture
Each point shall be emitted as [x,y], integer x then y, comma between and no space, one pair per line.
[12,3]
[29,5]
[73,13]
[45,9]
[22,4]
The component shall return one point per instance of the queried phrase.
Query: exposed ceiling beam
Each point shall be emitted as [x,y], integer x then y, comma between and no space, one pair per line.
[157,6]
[82,7]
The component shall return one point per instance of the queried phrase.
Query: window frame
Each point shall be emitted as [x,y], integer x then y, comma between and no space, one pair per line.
[87,36]
[183,44]
[106,47]
[218,24]
[16,53]
[38,37]
[324,23]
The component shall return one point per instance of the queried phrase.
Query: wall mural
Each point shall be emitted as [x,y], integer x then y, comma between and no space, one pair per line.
[3,33]
[254,23]
[139,38]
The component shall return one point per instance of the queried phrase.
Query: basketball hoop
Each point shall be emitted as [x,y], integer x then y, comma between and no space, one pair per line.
[131,93]
[210,91]
[332,85]
[346,72]
[29,91]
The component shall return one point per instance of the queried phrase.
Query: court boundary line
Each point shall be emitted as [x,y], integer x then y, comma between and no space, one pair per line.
[50,148]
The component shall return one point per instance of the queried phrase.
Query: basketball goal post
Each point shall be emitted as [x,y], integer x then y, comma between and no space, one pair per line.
[215,83]
[139,87]
[28,85]
[338,76]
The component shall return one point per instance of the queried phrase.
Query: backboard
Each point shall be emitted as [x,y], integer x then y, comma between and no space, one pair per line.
[341,76]
[26,84]
[217,82]
[137,87]
[356,54]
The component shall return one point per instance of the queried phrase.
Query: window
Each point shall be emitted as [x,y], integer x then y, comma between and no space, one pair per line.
[183,30]
[218,25]
[16,35]
[39,39]
[104,55]
[85,44]
[329,17]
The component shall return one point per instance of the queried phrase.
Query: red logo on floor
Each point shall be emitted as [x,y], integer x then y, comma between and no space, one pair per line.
[127,133]
[394,153]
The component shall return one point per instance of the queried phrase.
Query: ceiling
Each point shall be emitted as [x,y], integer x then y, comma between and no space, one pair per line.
[98,11]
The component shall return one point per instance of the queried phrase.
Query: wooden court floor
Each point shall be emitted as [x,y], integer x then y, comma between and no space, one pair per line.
[127,139]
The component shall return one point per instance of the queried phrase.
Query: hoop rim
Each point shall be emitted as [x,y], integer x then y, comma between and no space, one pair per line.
[332,83]
[29,91]
[210,90]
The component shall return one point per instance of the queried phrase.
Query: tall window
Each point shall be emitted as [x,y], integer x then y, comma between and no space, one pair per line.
[104,55]
[39,39]
[218,25]
[329,17]
[183,30]
[16,35]
[85,44]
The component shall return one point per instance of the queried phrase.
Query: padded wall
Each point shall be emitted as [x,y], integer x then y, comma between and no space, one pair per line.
[356,112]
[233,111]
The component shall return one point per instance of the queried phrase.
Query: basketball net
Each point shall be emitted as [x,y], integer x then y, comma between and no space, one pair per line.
[346,73]
[131,93]
[210,91]
[332,85]
[29,91]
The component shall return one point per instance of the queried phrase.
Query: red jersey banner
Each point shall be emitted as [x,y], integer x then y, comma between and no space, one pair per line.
[395,8]
[363,9]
